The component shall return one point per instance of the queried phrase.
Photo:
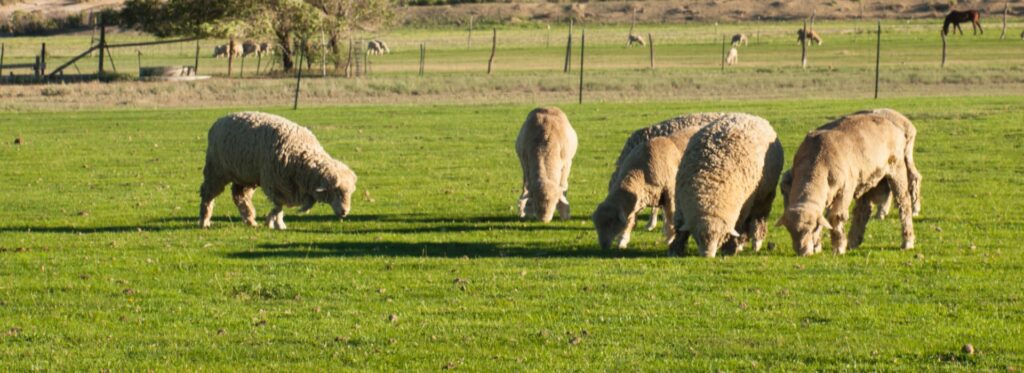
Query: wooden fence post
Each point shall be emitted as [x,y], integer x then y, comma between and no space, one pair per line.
[42,61]
[583,47]
[259,62]
[943,35]
[110,57]
[803,47]
[878,56]
[547,44]
[651,39]
[423,57]
[103,42]
[3,49]
[231,54]
[138,60]
[723,52]
[195,67]
[35,69]
[494,47]
[568,50]
[323,55]
[1006,9]
[469,35]
[298,80]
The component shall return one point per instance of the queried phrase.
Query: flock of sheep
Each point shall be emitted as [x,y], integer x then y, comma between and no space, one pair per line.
[741,40]
[713,175]
[245,49]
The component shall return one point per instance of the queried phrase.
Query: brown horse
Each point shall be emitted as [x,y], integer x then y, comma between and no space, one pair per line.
[955,17]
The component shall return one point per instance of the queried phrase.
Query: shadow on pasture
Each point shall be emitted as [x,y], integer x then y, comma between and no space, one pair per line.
[431,249]
[94,230]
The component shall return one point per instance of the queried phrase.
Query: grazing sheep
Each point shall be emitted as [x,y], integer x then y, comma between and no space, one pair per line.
[546,145]
[739,39]
[377,47]
[635,39]
[839,163]
[253,150]
[647,177]
[683,125]
[913,175]
[811,34]
[249,48]
[727,185]
[733,57]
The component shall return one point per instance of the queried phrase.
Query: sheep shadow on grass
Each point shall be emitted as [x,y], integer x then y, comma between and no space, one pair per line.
[431,249]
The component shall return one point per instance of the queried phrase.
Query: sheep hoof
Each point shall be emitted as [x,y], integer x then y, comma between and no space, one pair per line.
[907,245]
[204,224]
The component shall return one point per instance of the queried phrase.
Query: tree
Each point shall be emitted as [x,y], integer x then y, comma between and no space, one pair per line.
[343,18]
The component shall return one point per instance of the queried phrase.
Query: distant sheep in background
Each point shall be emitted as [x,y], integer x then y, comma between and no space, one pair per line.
[739,39]
[266,49]
[221,51]
[733,57]
[635,39]
[546,146]
[249,48]
[377,47]
[811,34]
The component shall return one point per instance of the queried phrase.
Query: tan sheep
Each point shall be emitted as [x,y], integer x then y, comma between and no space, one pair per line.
[546,146]
[688,124]
[726,185]
[733,57]
[646,177]
[251,150]
[635,39]
[811,34]
[839,163]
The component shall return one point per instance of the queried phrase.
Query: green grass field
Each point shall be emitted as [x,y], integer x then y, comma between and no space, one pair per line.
[102,266]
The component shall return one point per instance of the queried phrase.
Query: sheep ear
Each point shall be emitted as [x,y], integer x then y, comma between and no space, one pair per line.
[734,233]
[824,223]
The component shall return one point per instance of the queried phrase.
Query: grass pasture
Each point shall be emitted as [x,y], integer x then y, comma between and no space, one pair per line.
[101,265]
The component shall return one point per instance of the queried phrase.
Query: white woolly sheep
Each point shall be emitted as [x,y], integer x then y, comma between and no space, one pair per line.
[646,177]
[739,39]
[839,163]
[546,146]
[689,124]
[733,57]
[635,39]
[253,150]
[726,185]
[377,47]
[913,175]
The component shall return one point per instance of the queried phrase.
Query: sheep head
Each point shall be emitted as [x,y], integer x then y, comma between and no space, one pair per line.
[804,226]
[543,200]
[712,234]
[610,223]
[336,187]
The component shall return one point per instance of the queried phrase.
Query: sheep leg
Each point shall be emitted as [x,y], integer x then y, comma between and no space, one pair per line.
[861,215]
[898,184]
[275,219]
[209,191]
[522,202]
[654,219]
[881,197]
[668,210]
[563,207]
[913,176]
[630,223]
[837,215]
[242,195]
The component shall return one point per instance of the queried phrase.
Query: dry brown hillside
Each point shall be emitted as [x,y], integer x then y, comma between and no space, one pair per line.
[698,10]
[622,11]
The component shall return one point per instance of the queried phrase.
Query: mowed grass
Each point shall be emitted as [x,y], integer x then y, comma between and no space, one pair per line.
[102,266]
